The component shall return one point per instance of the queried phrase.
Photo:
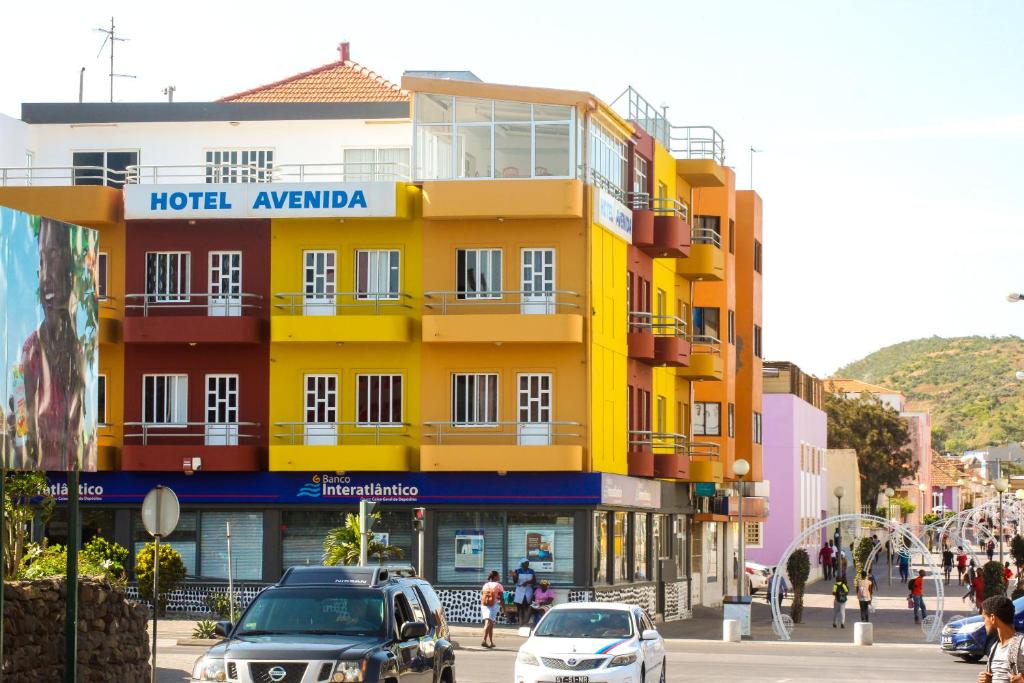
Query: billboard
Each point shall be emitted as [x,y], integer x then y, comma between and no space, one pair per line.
[49,343]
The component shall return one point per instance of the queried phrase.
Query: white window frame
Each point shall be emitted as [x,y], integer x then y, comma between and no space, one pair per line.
[103,275]
[224,304]
[699,411]
[758,428]
[477,293]
[390,377]
[214,161]
[375,173]
[393,257]
[105,152]
[475,377]
[159,297]
[180,387]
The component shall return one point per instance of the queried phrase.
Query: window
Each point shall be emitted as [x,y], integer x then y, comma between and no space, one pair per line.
[469,545]
[599,558]
[757,341]
[102,260]
[757,428]
[379,400]
[474,399]
[376,163]
[103,168]
[165,399]
[101,399]
[640,546]
[303,533]
[707,419]
[377,274]
[706,322]
[183,539]
[640,176]
[662,416]
[732,420]
[246,545]
[680,545]
[732,236]
[620,547]
[936,500]
[478,274]
[546,538]
[752,534]
[732,327]
[607,160]
[757,256]
[167,276]
[660,303]
[239,165]
[708,230]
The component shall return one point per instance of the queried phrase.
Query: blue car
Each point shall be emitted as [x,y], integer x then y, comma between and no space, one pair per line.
[966,638]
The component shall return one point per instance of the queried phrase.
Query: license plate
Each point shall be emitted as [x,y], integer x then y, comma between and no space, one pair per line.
[572,679]
[947,640]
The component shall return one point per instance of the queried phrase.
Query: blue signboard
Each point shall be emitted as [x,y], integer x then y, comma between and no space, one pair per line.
[327,488]
[704,489]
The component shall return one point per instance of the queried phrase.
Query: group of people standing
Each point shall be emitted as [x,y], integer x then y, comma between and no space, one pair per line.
[532,598]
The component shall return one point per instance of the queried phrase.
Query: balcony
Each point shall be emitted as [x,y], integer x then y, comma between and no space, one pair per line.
[706,260]
[341,447]
[193,318]
[221,447]
[668,455]
[502,447]
[503,198]
[658,339]
[356,317]
[109,321]
[503,317]
[660,229]
[700,155]
[705,465]
[705,362]
[640,337]
[51,191]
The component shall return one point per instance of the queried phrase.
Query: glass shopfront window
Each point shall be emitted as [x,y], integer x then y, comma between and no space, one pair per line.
[546,539]
[600,551]
[395,529]
[246,545]
[469,546]
[94,523]
[680,546]
[184,539]
[303,533]
[620,546]
[640,572]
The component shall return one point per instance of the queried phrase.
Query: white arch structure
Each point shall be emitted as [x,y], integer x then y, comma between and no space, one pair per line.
[814,532]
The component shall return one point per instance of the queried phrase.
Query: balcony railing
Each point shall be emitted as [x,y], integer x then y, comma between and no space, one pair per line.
[661,206]
[659,325]
[703,343]
[340,433]
[644,114]
[216,305]
[49,176]
[521,433]
[697,142]
[341,303]
[545,302]
[154,174]
[660,442]
[702,449]
[706,236]
[216,433]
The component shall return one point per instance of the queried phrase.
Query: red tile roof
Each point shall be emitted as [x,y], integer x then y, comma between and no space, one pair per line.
[340,81]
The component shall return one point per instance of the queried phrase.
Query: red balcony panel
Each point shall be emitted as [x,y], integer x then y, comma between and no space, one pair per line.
[641,462]
[169,458]
[671,466]
[672,351]
[199,329]
[640,344]
[671,237]
[643,229]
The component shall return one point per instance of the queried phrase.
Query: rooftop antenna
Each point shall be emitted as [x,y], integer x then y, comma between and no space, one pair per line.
[169,91]
[112,38]
[81,85]
[752,153]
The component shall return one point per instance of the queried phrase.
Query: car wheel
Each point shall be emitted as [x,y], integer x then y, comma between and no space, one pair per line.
[664,663]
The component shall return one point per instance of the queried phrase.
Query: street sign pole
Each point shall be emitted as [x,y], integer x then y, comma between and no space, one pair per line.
[156,599]
[71,604]
[160,512]
[231,583]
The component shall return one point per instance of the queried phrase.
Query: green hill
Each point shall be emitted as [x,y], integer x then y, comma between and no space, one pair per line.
[968,384]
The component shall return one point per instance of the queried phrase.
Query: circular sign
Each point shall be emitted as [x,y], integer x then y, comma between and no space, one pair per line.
[160,511]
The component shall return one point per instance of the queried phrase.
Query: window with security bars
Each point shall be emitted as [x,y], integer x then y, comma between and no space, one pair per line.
[379,399]
[474,399]
[376,163]
[478,274]
[752,534]
[239,165]
[165,399]
[377,274]
[167,276]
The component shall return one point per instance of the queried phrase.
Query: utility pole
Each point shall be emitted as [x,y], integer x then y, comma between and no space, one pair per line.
[112,38]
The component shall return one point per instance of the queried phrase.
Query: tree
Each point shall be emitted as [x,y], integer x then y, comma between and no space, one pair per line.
[995,579]
[861,555]
[878,434]
[172,573]
[26,495]
[341,546]
[1017,551]
[798,566]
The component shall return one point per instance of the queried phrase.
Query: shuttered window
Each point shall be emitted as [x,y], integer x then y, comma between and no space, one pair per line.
[545,533]
[303,534]
[487,524]
[239,165]
[246,545]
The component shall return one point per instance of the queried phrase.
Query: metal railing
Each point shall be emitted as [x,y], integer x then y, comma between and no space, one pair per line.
[484,431]
[702,449]
[600,181]
[320,433]
[218,304]
[471,302]
[705,344]
[659,325]
[354,171]
[661,206]
[705,236]
[660,442]
[188,430]
[697,142]
[46,176]
[299,303]
[646,115]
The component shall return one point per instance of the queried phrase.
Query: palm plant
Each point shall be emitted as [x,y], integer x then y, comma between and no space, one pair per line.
[341,545]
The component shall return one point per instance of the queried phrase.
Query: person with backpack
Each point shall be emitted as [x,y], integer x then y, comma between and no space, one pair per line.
[865,590]
[916,587]
[840,592]
[490,603]
[1005,663]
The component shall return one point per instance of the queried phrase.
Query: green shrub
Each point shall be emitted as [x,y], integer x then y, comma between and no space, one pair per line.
[111,556]
[861,554]
[219,604]
[204,630]
[41,562]
[995,579]
[172,573]
[1017,550]
[798,566]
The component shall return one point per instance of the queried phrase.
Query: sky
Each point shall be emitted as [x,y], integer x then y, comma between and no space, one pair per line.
[889,130]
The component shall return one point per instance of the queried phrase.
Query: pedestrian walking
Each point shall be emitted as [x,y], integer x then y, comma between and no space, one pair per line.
[840,592]
[947,563]
[525,579]
[777,579]
[825,559]
[904,561]
[961,564]
[490,603]
[917,596]
[1007,573]
[990,549]
[865,591]
[1005,661]
[835,558]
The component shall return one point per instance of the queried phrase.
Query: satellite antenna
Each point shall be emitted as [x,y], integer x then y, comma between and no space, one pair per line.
[112,38]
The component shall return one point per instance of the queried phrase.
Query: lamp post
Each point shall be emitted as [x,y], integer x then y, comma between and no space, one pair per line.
[1001,486]
[889,493]
[740,468]
[839,492]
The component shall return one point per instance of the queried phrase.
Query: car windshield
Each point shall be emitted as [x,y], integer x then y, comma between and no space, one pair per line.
[315,610]
[585,623]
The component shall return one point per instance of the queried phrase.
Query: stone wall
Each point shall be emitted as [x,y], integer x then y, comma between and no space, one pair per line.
[113,644]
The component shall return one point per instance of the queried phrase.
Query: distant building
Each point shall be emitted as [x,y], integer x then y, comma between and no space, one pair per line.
[842,470]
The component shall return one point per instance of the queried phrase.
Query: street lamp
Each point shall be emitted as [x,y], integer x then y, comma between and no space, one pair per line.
[889,493]
[740,468]
[839,492]
[1001,486]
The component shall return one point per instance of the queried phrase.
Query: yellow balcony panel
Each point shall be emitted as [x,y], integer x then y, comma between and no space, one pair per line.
[701,172]
[341,328]
[706,471]
[89,205]
[110,330]
[705,262]
[703,367]
[509,198]
[511,328]
[347,458]
[107,458]
[501,458]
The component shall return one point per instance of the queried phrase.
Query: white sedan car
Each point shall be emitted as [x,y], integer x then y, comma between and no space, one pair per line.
[757,576]
[592,642]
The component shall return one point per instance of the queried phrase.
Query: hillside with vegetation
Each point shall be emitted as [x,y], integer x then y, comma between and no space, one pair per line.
[968,384]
